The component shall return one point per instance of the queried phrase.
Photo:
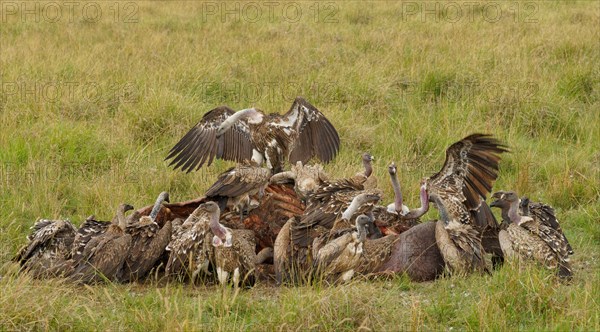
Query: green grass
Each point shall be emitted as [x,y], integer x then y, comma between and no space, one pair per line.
[88,111]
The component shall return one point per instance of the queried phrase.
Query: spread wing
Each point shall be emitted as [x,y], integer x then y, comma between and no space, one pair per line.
[239,180]
[470,168]
[201,144]
[316,135]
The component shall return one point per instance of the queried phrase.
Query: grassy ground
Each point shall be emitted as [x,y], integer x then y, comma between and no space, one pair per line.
[90,104]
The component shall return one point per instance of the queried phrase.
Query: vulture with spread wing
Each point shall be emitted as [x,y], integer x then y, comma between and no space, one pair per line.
[299,135]
[458,191]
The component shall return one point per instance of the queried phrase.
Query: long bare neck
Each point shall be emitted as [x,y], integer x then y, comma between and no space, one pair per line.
[353,207]
[216,227]
[156,207]
[397,192]
[416,213]
[513,212]
[232,119]
[368,168]
[121,218]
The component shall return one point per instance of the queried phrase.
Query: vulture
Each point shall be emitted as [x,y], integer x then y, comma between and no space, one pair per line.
[299,135]
[458,190]
[104,255]
[528,238]
[306,178]
[189,253]
[234,250]
[148,242]
[48,249]
[341,256]
[397,217]
[329,201]
[89,229]
[235,186]
[367,178]
[544,214]
[300,238]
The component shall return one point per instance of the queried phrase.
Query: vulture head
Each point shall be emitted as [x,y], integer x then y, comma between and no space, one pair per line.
[508,202]
[252,115]
[367,159]
[222,236]
[362,223]
[504,199]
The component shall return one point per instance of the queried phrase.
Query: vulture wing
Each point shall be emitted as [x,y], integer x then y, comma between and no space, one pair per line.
[201,144]
[470,168]
[316,135]
[545,214]
[239,180]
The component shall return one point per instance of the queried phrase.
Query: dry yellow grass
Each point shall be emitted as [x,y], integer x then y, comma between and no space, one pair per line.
[90,105]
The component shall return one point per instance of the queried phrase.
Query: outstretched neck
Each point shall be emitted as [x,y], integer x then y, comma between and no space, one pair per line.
[232,119]
[349,212]
[397,193]
[417,213]
[156,207]
[121,218]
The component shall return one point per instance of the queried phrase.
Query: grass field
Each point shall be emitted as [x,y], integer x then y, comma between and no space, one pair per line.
[94,94]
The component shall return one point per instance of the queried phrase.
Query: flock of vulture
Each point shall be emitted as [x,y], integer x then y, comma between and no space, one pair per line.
[260,221]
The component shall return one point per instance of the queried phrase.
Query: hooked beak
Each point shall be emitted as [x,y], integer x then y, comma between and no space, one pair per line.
[495,203]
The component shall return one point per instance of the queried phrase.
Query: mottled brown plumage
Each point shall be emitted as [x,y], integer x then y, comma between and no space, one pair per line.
[470,168]
[342,255]
[48,248]
[89,229]
[543,213]
[530,239]
[299,135]
[457,190]
[326,206]
[460,245]
[148,243]
[237,261]
[236,186]
[306,178]
[104,255]
[189,251]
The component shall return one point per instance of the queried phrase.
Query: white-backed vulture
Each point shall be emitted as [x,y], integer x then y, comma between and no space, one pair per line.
[299,135]
[544,214]
[235,187]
